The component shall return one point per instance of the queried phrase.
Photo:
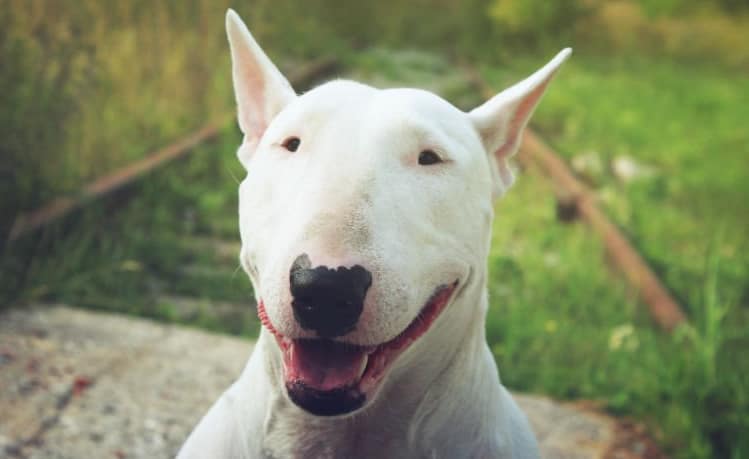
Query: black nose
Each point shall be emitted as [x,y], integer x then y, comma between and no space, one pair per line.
[328,301]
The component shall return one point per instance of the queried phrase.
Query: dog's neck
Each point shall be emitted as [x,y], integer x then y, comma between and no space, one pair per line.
[430,399]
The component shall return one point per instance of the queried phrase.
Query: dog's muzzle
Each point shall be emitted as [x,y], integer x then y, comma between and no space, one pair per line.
[331,378]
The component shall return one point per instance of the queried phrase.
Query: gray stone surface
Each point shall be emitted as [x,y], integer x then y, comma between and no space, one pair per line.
[81,384]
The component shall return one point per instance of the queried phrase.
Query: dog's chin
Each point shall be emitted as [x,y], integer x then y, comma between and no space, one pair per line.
[332,402]
[331,378]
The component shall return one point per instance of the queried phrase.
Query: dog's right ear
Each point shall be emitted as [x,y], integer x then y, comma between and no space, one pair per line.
[260,88]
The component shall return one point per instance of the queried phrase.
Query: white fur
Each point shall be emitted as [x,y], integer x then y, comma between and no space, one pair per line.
[354,193]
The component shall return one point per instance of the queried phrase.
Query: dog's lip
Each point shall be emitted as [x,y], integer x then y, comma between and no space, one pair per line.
[364,366]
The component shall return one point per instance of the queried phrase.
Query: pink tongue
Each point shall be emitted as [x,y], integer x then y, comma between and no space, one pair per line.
[324,365]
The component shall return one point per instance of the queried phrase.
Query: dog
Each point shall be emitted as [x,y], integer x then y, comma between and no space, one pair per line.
[365,219]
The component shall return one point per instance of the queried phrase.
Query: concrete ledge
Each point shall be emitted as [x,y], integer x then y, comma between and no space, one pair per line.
[77,384]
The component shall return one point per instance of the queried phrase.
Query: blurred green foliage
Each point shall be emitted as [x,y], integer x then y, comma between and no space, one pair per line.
[687,215]
[150,251]
[532,21]
[88,86]
[583,336]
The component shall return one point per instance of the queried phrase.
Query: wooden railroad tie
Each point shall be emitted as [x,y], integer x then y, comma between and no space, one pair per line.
[576,200]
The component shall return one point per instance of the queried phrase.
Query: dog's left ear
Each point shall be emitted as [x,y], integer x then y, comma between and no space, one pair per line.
[260,88]
[501,120]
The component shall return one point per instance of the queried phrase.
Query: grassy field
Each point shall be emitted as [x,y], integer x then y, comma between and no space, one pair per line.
[562,326]
[560,322]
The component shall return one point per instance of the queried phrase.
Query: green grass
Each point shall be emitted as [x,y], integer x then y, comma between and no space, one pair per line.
[143,250]
[89,87]
[560,325]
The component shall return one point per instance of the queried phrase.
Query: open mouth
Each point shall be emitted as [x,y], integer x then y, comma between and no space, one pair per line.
[329,378]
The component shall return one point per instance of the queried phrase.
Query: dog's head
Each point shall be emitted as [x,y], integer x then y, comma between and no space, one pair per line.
[363,214]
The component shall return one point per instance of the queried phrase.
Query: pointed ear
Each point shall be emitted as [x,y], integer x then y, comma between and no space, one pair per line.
[501,120]
[260,89]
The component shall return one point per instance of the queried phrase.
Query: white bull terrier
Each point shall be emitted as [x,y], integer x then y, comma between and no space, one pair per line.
[365,219]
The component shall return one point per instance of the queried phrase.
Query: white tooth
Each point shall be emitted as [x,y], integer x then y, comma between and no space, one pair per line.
[363,367]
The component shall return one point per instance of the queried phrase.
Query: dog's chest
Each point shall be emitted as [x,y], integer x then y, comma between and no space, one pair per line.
[302,437]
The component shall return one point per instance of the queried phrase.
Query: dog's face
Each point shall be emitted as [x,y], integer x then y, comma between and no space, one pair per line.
[363,214]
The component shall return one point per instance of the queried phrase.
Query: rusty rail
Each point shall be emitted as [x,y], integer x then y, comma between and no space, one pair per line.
[574,194]
[60,207]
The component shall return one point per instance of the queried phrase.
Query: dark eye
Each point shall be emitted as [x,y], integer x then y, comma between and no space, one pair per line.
[428,157]
[291,144]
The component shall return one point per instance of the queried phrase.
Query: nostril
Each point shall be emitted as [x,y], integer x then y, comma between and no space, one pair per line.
[301,262]
[328,301]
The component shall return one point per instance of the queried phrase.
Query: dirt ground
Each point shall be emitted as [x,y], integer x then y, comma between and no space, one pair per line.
[81,384]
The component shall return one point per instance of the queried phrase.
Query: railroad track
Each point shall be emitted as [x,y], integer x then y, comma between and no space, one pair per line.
[577,200]
[535,155]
